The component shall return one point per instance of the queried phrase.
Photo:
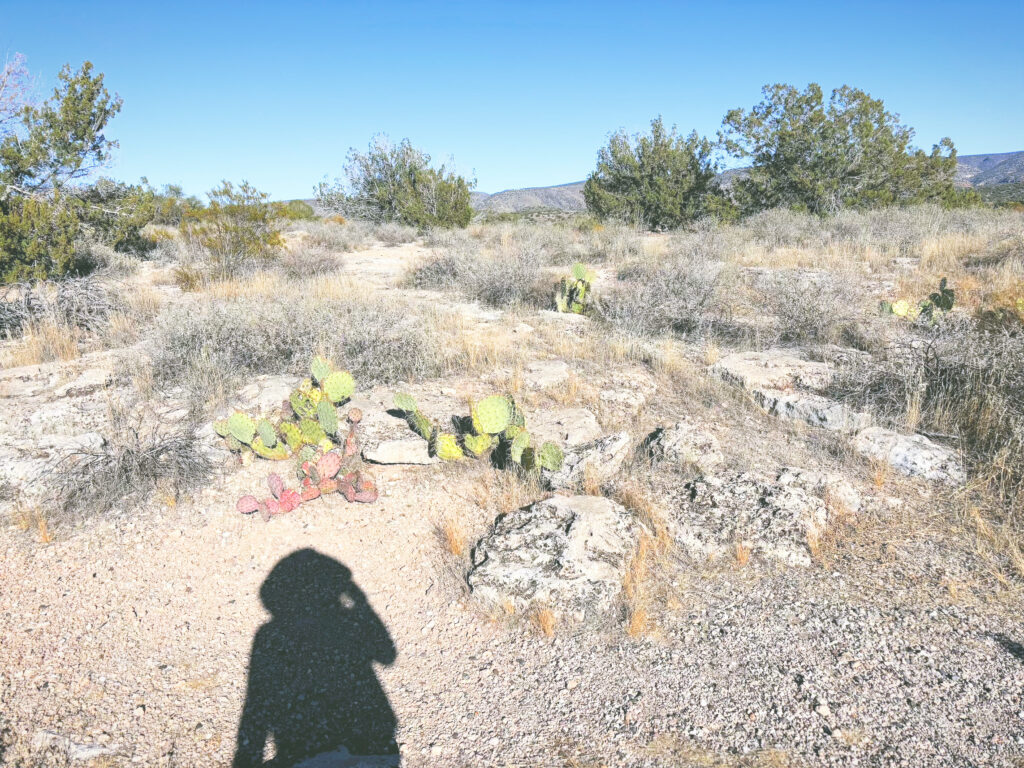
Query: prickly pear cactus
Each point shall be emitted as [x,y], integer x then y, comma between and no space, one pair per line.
[327,416]
[320,368]
[406,403]
[572,293]
[550,457]
[241,427]
[518,444]
[478,444]
[278,452]
[492,415]
[301,404]
[339,386]
[446,447]
[266,432]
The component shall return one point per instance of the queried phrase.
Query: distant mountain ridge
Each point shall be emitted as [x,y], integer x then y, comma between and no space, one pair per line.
[971,171]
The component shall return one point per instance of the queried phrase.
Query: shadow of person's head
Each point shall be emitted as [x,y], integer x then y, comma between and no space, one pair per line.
[304,581]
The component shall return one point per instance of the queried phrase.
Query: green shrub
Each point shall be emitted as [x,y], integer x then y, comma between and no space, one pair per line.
[822,158]
[658,181]
[37,239]
[238,227]
[55,146]
[396,184]
[296,210]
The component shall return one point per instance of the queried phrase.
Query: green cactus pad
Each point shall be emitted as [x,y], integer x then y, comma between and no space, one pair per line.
[302,405]
[519,444]
[579,271]
[276,453]
[291,434]
[320,368]
[492,415]
[478,444]
[327,415]
[446,447]
[221,428]
[550,457]
[312,432]
[234,444]
[339,386]
[421,425]
[406,403]
[266,432]
[307,453]
[241,427]
[528,459]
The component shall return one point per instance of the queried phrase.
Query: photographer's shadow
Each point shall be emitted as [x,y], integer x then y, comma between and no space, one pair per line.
[312,685]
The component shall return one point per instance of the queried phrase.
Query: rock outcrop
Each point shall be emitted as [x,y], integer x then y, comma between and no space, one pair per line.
[568,553]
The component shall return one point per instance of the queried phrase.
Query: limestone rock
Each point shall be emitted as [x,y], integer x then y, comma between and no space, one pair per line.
[684,443]
[88,381]
[567,427]
[569,553]
[772,369]
[772,519]
[600,458]
[913,455]
[811,409]
[541,374]
[830,486]
[408,450]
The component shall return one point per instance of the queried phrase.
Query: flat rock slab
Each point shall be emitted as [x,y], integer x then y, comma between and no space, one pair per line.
[568,553]
[913,455]
[542,374]
[408,450]
[568,427]
[772,369]
[600,459]
[812,409]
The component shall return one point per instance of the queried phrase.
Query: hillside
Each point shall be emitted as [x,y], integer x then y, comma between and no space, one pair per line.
[972,171]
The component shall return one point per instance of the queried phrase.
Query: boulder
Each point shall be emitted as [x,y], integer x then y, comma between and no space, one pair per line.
[600,458]
[913,455]
[569,553]
[684,443]
[407,450]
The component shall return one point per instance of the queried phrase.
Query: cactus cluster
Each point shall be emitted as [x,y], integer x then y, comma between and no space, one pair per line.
[938,302]
[495,425]
[318,476]
[309,417]
[573,292]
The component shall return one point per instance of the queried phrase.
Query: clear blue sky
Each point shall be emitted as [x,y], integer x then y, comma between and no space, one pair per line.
[520,94]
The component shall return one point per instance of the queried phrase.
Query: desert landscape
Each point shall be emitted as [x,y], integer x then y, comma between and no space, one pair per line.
[679,466]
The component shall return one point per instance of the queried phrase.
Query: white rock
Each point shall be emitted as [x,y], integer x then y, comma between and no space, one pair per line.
[600,458]
[568,427]
[87,382]
[914,455]
[408,450]
[772,369]
[811,409]
[569,553]
[541,374]
[684,443]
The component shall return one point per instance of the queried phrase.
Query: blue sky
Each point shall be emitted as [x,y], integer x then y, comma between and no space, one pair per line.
[519,94]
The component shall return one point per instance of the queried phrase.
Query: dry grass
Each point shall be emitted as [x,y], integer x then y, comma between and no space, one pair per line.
[742,554]
[544,620]
[454,537]
[44,341]
[673,752]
